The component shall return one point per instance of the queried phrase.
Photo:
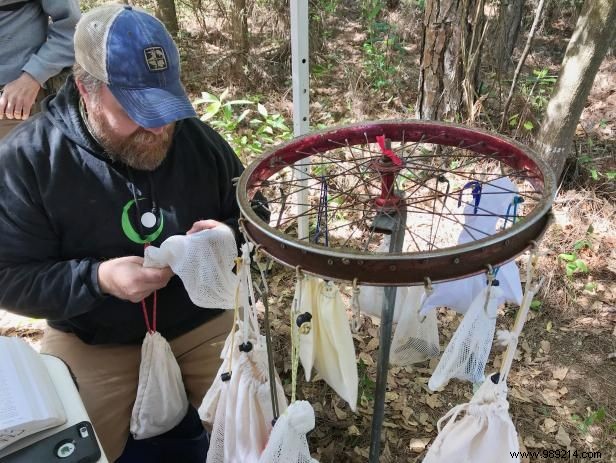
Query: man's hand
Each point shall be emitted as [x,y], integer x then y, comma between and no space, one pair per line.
[18,97]
[126,278]
[201,225]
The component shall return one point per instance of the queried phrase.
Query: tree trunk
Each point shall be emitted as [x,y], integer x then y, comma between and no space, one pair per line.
[505,34]
[239,24]
[589,43]
[450,47]
[165,11]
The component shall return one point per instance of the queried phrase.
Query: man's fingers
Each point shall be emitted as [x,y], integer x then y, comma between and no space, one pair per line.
[25,112]
[201,225]
[3,102]
[157,276]
[8,110]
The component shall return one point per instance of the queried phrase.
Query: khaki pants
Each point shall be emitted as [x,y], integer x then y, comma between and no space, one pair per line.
[108,375]
[6,125]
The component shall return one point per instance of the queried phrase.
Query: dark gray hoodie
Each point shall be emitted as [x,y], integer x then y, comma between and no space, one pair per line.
[65,207]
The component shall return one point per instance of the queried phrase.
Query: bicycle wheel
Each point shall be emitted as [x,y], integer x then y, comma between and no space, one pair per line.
[441,176]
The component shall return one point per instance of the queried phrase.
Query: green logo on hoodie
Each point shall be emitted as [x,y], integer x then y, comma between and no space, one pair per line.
[129,230]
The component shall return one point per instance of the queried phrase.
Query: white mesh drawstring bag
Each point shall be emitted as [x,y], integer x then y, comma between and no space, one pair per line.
[416,337]
[288,443]
[229,355]
[334,352]
[467,353]
[478,431]
[371,297]
[239,405]
[161,401]
[204,262]
[305,299]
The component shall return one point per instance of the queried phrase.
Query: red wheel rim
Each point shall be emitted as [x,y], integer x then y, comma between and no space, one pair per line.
[444,263]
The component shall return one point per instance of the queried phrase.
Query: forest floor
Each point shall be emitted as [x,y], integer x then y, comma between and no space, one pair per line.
[563,385]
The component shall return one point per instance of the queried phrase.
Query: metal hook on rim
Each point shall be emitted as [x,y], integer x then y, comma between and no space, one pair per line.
[491,282]
[429,290]
[355,324]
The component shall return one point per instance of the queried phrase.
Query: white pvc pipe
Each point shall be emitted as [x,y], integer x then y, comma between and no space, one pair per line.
[301,100]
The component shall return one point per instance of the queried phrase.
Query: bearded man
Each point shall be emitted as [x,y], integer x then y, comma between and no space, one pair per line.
[117,159]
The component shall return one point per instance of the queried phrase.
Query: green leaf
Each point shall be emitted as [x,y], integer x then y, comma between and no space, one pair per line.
[594,174]
[535,304]
[611,175]
[570,268]
[528,125]
[591,286]
[581,265]
[206,98]
[581,244]
[243,115]
[584,159]
[211,110]
[261,109]
[567,257]
[236,102]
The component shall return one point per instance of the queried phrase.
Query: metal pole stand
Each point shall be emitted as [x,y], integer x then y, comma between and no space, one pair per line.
[393,223]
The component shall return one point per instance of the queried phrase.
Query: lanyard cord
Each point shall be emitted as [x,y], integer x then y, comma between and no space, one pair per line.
[153,201]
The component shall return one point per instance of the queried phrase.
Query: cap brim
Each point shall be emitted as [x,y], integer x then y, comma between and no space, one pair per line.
[154,107]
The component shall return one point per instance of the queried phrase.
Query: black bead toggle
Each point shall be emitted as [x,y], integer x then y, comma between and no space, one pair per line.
[246,346]
[302,318]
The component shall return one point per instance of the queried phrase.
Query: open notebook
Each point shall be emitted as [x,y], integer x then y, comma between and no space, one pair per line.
[29,402]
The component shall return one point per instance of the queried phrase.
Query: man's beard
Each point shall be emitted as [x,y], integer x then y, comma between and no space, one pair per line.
[141,150]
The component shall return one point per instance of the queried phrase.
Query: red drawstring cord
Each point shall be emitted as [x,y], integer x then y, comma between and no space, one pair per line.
[144,309]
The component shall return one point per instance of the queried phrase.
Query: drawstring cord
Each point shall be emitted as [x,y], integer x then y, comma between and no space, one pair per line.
[144,308]
[295,331]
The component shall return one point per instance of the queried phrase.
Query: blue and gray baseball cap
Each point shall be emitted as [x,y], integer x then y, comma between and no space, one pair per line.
[131,51]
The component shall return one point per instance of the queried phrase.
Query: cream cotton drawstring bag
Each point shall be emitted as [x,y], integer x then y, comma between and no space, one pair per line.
[204,262]
[306,288]
[230,355]
[478,431]
[334,352]
[161,401]
[238,404]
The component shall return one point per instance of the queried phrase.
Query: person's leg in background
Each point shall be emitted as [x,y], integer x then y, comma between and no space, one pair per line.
[107,378]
